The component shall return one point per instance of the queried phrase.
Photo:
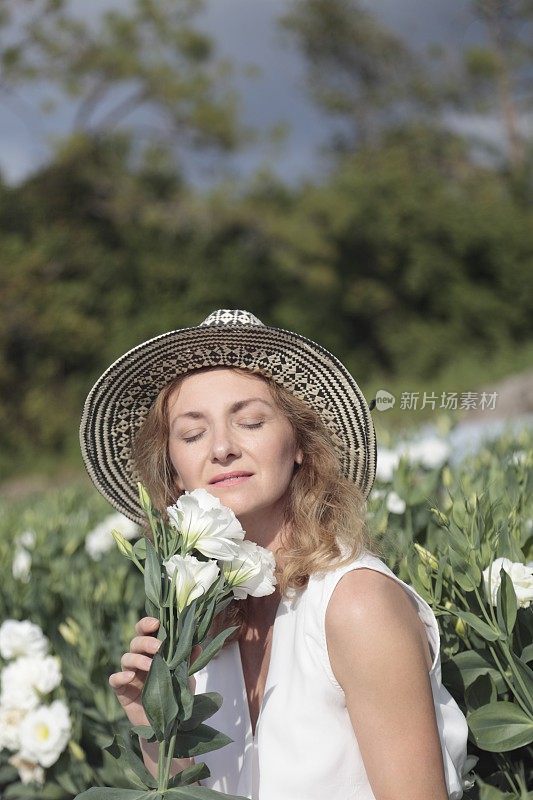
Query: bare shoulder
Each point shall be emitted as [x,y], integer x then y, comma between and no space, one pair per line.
[370,618]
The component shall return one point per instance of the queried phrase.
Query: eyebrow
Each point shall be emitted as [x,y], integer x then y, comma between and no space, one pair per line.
[233,408]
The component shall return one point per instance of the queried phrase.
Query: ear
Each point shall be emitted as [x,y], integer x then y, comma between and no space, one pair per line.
[299,457]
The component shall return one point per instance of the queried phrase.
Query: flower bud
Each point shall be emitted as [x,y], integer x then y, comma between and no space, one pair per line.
[426,557]
[442,519]
[122,543]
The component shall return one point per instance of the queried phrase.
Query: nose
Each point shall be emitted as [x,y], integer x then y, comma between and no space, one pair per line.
[223,444]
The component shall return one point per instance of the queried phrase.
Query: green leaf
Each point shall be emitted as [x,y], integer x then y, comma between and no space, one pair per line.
[500,727]
[139,548]
[108,793]
[201,740]
[489,792]
[194,773]
[152,574]
[207,619]
[204,706]
[526,674]
[151,608]
[131,763]
[481,692]
[211,649]
[186,696]
[145,731]
[506,603]
[157,696]
[472,663]
[527,653]
[184,645]
[199,793]
[477,624]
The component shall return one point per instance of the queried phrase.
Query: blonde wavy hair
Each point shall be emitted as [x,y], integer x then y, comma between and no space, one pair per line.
[323,508]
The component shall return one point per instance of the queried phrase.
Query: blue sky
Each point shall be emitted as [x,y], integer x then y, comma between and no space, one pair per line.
[246,31]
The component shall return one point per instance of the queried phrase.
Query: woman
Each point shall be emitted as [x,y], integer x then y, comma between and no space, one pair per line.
[332,683]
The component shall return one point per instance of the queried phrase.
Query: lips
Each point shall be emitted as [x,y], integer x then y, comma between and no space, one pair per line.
[226,475]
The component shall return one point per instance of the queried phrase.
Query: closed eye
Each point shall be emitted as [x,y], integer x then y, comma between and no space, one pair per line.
[195,438]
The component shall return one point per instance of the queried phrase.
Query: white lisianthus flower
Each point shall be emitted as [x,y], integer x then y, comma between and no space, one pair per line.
[21,638]
[395,504]
[28,770]
[520,574]
[28,677]
[44,733]
[193,577]
[100,540]
[21,568]
[251,572]
[206,525]
[431,452]
[25,539]
[387,462]
[10,719]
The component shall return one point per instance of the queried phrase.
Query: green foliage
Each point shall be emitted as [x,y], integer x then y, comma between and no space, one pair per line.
[455,523]
[401,259]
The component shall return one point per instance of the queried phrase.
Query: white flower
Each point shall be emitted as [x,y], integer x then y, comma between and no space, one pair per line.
[25,539]
[21,638]
[432,452]
[521,575]
[193,577]
[518,457]
[395,504]
[10,719]
[28,770]
[387,462]
[25,678]
[22,565]
[44,733]
[251,572]
[378,494]
[206,525]
[100,540]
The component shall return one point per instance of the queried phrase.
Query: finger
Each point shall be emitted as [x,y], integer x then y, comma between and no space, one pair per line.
[147,625]
[119,679]
[145,644]
[135,661]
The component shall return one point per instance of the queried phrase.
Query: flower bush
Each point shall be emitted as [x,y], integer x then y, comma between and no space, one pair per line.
[446,531]
[465,542]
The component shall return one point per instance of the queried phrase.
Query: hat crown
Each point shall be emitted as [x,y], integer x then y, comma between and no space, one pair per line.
[231,317]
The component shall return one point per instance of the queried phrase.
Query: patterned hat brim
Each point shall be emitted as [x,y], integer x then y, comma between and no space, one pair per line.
[120,399]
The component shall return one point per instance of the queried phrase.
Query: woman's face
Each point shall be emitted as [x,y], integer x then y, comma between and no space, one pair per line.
[222,421]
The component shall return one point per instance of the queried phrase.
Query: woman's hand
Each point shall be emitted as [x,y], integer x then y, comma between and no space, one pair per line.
[128,684]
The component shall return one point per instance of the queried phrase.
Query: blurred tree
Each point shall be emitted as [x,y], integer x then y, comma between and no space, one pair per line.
[498,75]
[145,69]
[406,257]
[358,70]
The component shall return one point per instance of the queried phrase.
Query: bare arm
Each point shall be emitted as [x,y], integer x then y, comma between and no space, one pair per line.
[379,658]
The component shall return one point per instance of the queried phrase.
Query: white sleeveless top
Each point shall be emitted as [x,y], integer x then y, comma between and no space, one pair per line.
[304,746]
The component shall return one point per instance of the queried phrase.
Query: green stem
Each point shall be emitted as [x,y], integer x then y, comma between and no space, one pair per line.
[505,648]
[171,613]
[137,562]
[508,681]
[161,767]
[170,756]
[490,622]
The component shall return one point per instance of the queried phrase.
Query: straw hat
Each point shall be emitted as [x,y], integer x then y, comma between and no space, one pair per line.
[120,399]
